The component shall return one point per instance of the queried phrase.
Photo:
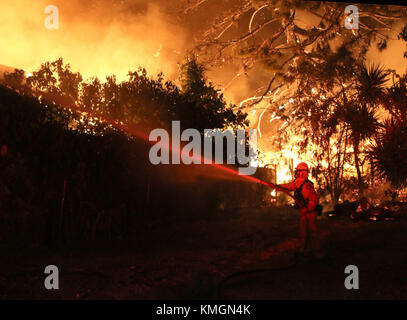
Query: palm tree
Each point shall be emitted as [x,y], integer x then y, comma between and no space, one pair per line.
[360,110]
[389,152]
[370,83]
[395,100]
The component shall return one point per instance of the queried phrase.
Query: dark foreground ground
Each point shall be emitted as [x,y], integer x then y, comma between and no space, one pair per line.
[190,260]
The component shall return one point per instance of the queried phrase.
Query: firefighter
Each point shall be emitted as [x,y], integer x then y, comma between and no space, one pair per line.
[307,204]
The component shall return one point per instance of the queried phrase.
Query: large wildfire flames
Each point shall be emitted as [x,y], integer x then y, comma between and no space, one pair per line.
[283,158]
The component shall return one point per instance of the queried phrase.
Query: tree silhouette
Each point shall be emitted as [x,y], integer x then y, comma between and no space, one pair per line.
[67,168]
[389,152]
[389,149]
[205,106]
[360,112]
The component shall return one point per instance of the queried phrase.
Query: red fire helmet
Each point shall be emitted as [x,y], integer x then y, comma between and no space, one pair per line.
[302,167]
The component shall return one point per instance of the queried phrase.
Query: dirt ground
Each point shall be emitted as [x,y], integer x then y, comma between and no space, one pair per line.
[189,261]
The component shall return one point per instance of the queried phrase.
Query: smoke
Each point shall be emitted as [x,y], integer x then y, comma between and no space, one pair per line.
[98,38]
[393,56]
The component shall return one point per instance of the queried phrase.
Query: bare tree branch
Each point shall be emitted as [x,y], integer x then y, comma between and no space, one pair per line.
[223,31]
[194,6]
[254,14]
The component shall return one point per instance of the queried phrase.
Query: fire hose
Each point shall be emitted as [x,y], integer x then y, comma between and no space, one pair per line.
[299,203]
[289,266]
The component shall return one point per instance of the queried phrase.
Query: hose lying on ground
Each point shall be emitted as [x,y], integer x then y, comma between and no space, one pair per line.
[260,270]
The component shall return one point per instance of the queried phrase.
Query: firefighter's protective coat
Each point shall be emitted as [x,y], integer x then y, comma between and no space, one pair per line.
[308,192]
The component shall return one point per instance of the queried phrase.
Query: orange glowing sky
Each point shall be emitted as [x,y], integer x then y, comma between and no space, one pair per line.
[94,40]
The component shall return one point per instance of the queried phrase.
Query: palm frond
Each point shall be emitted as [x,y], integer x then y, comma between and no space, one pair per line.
[371,82]
[389,152]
